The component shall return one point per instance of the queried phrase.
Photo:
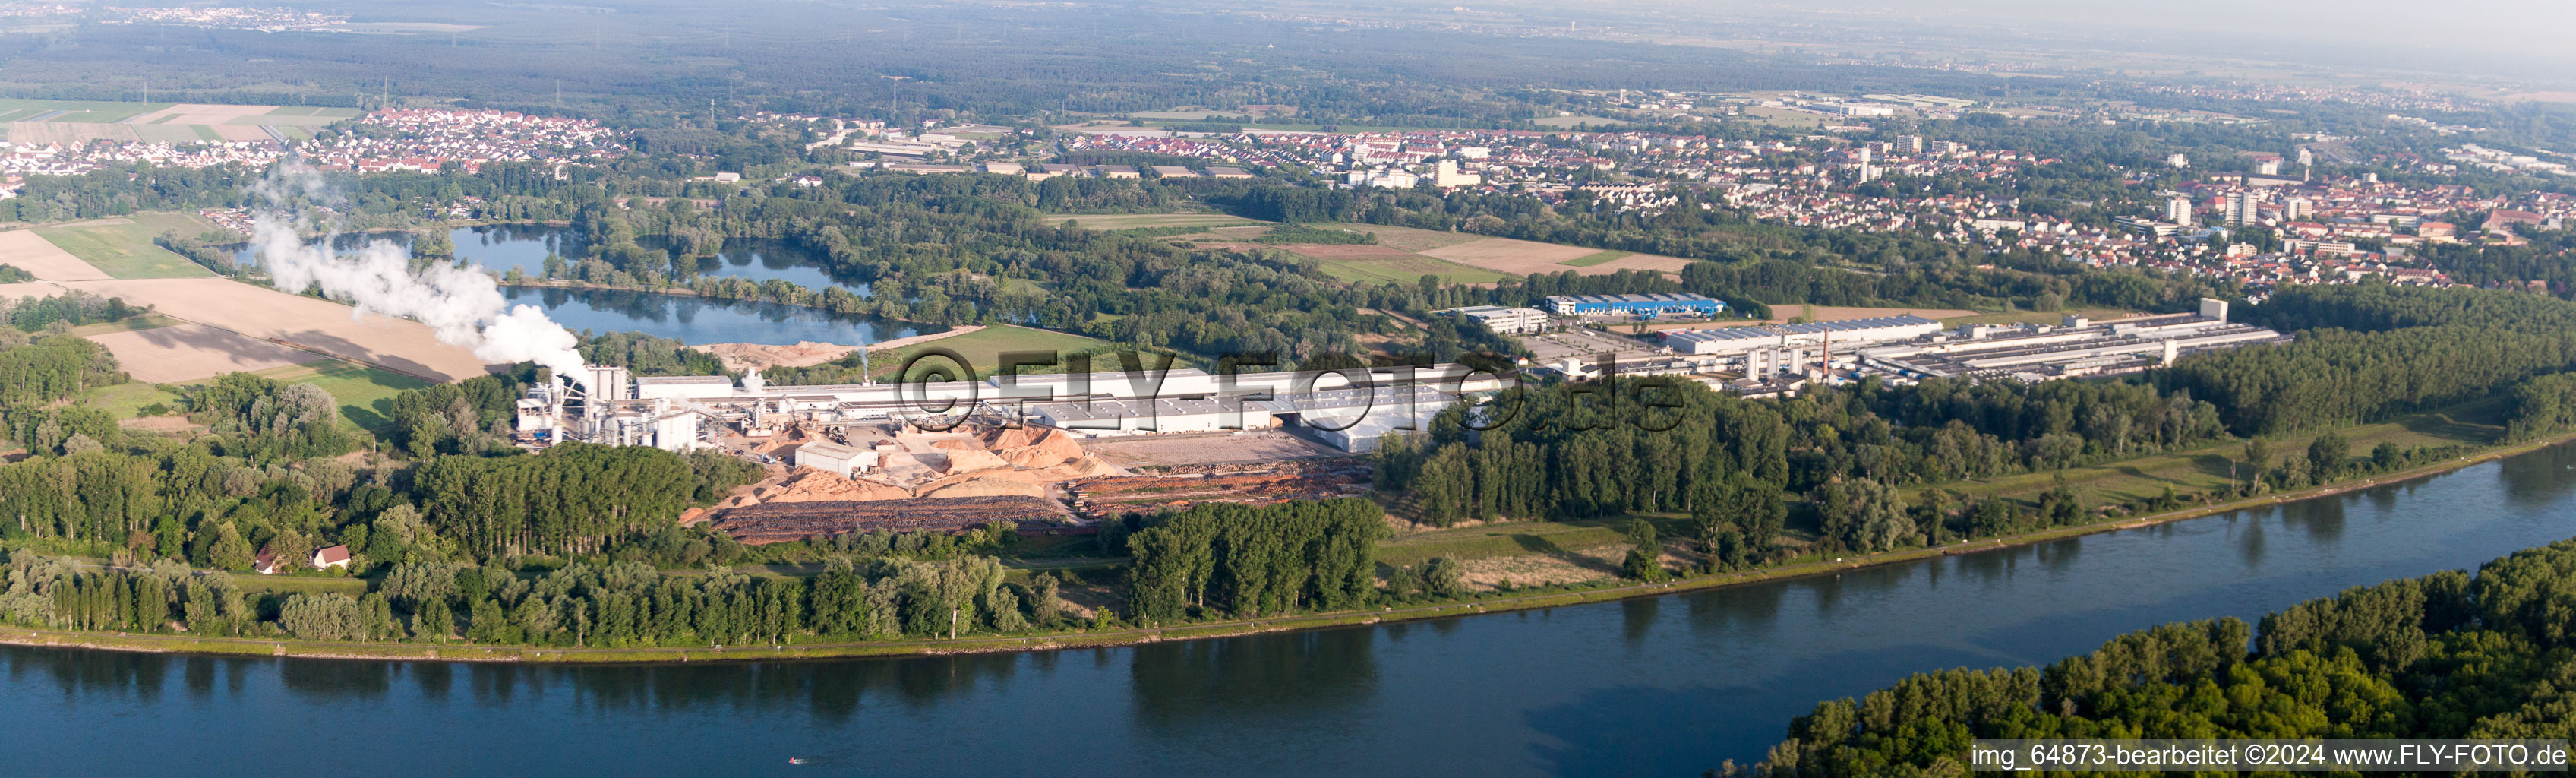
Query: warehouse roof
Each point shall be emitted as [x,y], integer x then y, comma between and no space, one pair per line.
[1777,330]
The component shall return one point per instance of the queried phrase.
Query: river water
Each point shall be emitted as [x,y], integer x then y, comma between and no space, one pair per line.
[1664,686]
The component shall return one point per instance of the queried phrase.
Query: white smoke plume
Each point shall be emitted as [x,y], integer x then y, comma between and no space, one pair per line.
[463,306]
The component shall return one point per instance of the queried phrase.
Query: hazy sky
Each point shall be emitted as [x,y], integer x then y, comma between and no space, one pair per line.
[2526,27]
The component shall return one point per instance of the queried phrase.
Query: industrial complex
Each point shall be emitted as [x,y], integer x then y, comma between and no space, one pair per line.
[1771,359]
[1056,450]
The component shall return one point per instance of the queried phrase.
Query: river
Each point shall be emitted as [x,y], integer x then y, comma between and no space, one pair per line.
[1664,686]
[502,247]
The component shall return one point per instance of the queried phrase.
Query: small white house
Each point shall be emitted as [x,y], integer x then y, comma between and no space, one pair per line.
[335,556]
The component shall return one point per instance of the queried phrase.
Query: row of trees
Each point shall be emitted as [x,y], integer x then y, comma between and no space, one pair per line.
[1242,561]
[623,604]
[1592,449]
[2448,655]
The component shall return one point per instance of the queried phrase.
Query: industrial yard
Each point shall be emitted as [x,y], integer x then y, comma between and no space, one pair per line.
[1051,453]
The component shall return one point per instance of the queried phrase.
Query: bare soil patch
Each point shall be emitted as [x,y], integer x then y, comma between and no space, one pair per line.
[1349,251]
[67,133]
[14,292]
[1514,256]
[32,253]
[756,356]
[187,352]
[400,345]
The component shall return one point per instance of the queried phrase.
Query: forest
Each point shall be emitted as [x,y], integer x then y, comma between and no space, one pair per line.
[1232,560]
[2449,655]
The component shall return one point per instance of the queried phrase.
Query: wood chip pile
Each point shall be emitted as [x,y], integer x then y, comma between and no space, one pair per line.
[1249,484]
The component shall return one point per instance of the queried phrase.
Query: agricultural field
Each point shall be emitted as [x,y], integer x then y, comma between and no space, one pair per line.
[366,394]
[123,247]
[261,313]
[1406,238]
[1129,221]
[1370,264]
[73,122]
[13,292]
[189,352]
[1522,257]
[1570,122]
[124,400]
[29,251]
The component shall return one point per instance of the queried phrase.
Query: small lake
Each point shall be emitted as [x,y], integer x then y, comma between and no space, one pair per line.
[501,247]
[704,320]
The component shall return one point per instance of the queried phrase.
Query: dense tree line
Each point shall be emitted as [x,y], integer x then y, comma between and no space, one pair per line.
[52,367]
[2448,655]
[1242,561]
[570,499]
[620,604]
[1573,450]
[473,416]
[71,309]
[262,419]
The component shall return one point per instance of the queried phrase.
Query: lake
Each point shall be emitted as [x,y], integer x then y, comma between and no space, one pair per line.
[500,247]
[1665,686]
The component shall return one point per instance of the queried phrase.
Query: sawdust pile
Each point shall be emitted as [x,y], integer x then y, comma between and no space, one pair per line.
[756,356]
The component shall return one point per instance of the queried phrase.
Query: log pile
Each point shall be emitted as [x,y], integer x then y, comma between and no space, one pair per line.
[1261,484]
[793,521]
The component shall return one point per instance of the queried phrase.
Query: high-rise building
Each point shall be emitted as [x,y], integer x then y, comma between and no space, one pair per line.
[2240,208]
[2296,209]
[1909,144]
[2268,167]
[2178,210]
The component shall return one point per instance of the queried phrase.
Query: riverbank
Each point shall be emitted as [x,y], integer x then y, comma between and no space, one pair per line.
[457,652]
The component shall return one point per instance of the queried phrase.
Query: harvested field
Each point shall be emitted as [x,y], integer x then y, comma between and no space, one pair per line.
[793,521]
[1522,257]
[12,292]
[32,253]
[1510,255]
[399,345]
[1408,238]
[187,352]
[1247,484]
[240,132]
[69,133]
[198,113]
[1655,262]
[1349,251]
